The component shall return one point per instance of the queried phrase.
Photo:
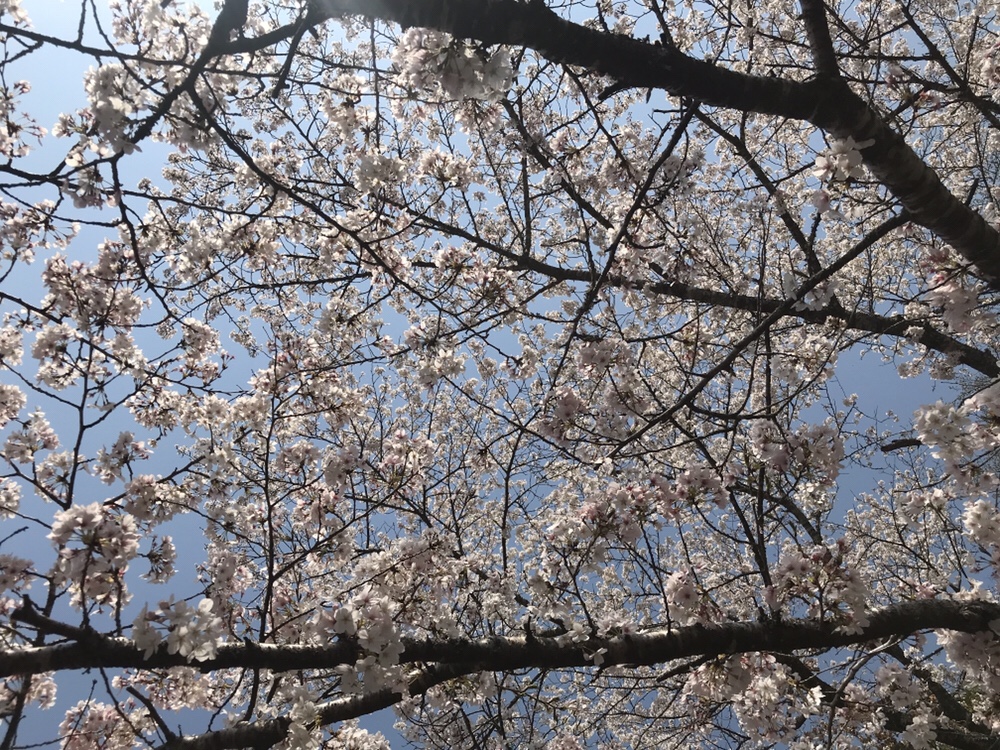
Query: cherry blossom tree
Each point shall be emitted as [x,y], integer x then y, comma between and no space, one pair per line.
[511,363]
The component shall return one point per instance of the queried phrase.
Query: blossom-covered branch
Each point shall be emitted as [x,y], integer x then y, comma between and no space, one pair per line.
[656,645]
[461,656]
[827,103]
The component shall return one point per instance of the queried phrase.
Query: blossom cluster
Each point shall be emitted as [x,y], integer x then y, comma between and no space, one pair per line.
[107,541]
[92,724]
[822,579]
[26,229]
[619,511]
[368,619]
[14,572]
[193,632]
[978,655]
[17,14]
[989,70]
[897,685]
[956,438]
[108,463]
[40,691]
[693,485]
[842,161]
[36,434]
[436,354]
[150,498]
[815,299]
[375,171]
[18,126]
[816,449]
[338,465]
[434,64]
[12,400]
[565,405]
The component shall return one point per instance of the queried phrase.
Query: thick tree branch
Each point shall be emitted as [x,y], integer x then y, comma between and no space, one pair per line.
[827,103]
[231,19]
[455,657]
[519,652]
[818,33]
[270,732]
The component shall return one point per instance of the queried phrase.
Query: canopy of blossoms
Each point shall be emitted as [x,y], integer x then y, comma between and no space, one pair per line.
[521,366]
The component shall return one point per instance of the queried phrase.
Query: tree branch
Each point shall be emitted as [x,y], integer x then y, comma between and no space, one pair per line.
[818,33]
[981,360]
[827,103]
[456,657]
[504,653]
